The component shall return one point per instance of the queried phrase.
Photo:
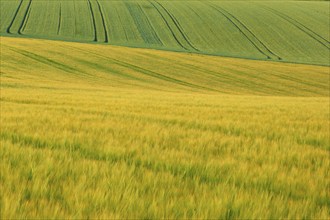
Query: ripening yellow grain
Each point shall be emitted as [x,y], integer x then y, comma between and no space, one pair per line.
[91,131]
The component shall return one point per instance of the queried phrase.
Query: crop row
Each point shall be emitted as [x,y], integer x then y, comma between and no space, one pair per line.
[288,31]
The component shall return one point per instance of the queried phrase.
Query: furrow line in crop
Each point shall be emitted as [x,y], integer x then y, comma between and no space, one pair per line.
[157,75]
[225,78]
[178,26]
[148,72]
[265,83]
[98,65]
[154,32]
[236,78]
[182,31]
[280,76]
[168,26]
[302,82]
[160,76]
[122,64]
[59,20]
[245,35]
[75,18]
[257,43]
[27,18]
[103,23]
[258,40]
[93,20]
[177,23]
[47,61]
[15,15]
[141,21]
[20,29]
[301,27]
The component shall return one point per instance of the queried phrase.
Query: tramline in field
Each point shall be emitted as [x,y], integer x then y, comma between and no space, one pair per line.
[292,32]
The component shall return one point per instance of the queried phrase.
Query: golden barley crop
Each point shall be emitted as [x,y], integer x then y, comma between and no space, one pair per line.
[94,131]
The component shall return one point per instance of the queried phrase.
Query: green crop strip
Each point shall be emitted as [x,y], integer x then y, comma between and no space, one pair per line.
[295,32]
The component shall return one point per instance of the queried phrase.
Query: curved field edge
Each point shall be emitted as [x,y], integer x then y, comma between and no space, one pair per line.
[289,31]
[164,49]
[104,65]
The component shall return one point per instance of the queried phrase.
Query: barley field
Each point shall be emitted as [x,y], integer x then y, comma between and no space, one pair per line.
[99,131]
[289,31]
[119,109]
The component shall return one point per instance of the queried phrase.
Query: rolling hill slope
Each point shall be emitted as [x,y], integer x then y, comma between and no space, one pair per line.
[121,67]
[98,129]
[108,132]
[279,31]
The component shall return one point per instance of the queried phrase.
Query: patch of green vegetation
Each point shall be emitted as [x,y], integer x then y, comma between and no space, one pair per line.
[291,31]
